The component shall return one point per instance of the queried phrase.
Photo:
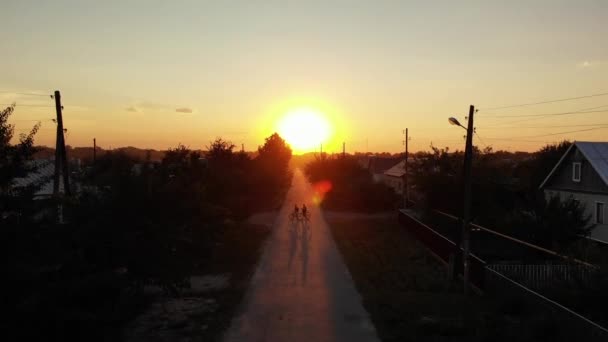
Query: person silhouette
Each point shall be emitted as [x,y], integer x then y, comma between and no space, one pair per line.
[304,210]
[295,215]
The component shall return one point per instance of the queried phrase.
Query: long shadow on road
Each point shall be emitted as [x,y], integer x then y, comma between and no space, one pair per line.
[301,290]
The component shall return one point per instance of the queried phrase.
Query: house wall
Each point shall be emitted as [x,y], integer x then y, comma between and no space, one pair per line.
[378,177]
[599,232]
[395,183]
[590,179]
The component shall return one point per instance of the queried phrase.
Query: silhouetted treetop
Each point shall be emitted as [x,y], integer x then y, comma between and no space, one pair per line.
[275,150]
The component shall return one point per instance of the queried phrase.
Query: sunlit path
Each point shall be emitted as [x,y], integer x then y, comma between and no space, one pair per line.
[301,290]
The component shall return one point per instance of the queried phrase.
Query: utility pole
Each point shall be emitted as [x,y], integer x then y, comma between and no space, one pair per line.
[94,150]
[405,175]
[243,147]
[343,149]
[61,165]
[466,228]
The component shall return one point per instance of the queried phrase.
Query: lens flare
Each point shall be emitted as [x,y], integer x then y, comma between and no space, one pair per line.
[320,188]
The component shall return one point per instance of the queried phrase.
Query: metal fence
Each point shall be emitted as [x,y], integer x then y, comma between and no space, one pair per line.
[559,321]
[543,276]
[442,247]
[553,318]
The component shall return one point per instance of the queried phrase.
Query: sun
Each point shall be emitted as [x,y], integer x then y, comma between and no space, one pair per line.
[304,129]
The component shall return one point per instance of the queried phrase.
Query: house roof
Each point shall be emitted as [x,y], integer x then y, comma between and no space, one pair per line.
[42,175]
[380,164]
[397,170]
[595,152]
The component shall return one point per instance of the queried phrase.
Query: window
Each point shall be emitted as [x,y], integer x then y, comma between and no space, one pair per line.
[599,212]
[576,172]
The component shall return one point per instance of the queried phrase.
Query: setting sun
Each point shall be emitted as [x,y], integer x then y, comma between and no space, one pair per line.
[304,129]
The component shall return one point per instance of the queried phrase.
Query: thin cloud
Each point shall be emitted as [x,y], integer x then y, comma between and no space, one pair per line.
[132,109]
[184,110]
[584,64]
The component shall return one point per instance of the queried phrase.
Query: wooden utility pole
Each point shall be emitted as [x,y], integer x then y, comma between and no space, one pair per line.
[243,147]
[61,164]
[343,149]
[94,150]
[466,228]
[405,175]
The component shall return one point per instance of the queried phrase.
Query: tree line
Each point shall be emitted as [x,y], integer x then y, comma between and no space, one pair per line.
[132,223]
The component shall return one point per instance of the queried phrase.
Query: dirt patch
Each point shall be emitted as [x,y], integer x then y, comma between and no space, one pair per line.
[175,319]
[349,215]
[265,218]
[203,310]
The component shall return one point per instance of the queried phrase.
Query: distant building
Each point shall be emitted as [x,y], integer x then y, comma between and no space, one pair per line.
[582,173]
[41,177]
[377,166]
[393,177]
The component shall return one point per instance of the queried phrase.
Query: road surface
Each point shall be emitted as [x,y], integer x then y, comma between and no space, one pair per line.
[301,290]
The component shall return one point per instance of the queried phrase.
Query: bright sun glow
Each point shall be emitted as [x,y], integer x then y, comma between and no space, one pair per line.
[304,129]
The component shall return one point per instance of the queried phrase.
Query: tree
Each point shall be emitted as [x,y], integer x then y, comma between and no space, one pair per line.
[533,171]
[342,184]
[275,152]
[270,173]
[554,223]
[14,163]
[220,151]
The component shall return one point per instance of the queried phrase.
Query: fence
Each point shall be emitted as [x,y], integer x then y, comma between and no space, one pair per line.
[551,317]
[498,241]
[544,276]
[563,323]
[442,247]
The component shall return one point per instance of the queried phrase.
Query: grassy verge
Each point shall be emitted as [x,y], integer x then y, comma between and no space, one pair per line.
[204,314]
[237,254]
[406,293]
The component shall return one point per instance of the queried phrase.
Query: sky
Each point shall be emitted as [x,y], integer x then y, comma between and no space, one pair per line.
[153,74]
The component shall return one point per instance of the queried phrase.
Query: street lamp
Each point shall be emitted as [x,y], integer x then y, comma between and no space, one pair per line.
[468,157]
[455,122]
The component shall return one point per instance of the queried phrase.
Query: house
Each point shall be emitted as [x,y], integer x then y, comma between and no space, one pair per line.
[393,177]
[41,178]
[582,173]
[40,181]
[378,165]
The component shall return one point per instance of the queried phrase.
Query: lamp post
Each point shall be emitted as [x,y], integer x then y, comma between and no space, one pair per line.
[466,229]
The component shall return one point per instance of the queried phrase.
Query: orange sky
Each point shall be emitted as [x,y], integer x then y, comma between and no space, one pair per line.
[154,74]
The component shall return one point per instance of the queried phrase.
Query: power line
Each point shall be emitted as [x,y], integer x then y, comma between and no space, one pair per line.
[550,134]
[554,126]
[29,94]
[25,105]
[481,140]
[19,120]
[537,118]
[548,114]
[577,131]
[543,102]
[519,140]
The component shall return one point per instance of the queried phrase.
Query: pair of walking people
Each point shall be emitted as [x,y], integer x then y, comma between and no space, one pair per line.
[296,211]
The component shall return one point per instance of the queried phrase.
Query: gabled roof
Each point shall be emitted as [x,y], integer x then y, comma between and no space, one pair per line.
[381,164]
[397,170]
[42,175]
[595,152]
